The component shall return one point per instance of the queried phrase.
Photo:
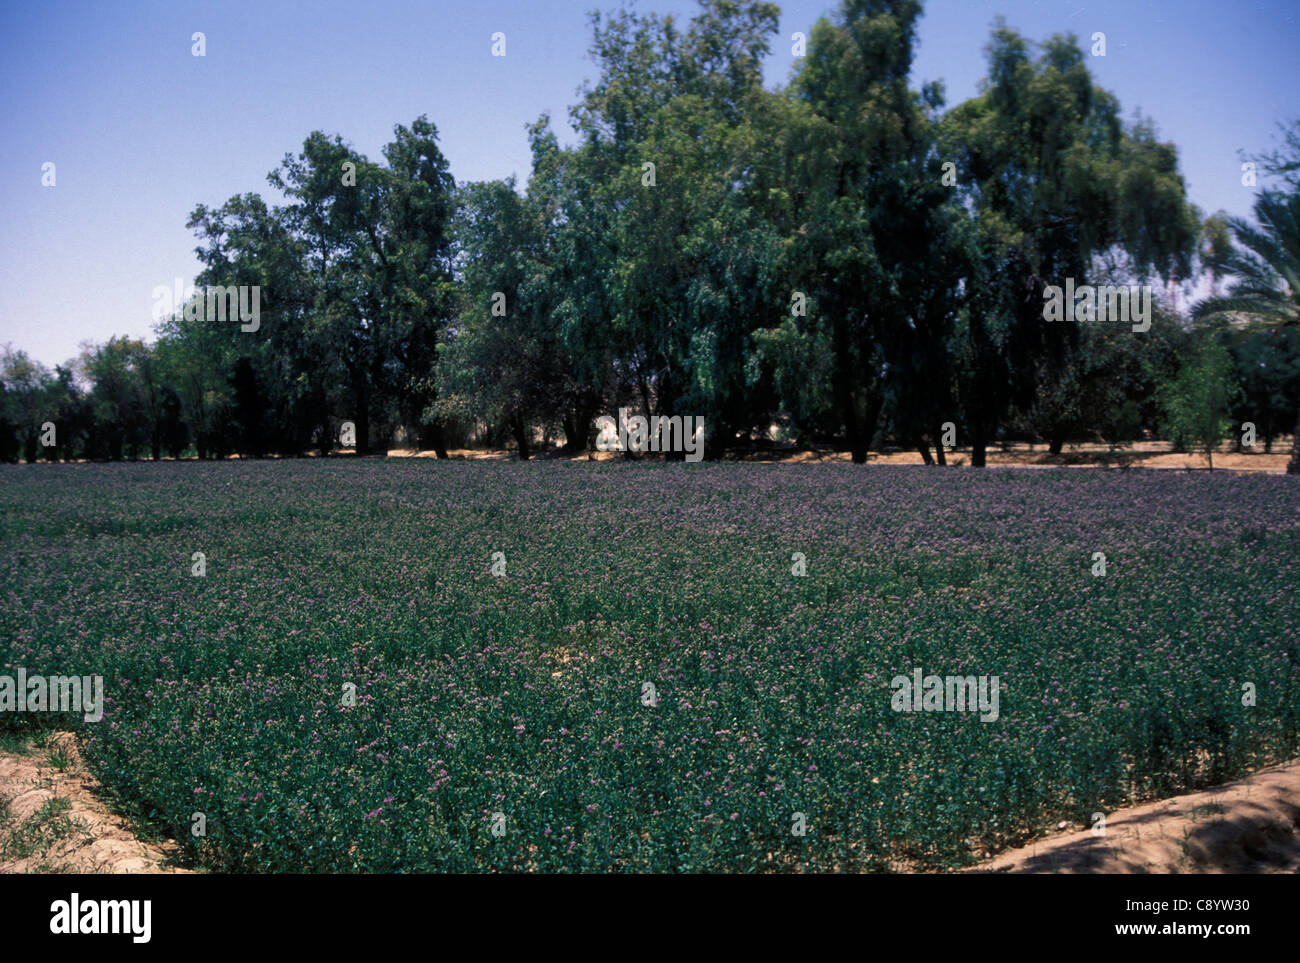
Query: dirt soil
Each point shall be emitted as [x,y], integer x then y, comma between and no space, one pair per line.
[1142,454]
[1249,826]
[52,820]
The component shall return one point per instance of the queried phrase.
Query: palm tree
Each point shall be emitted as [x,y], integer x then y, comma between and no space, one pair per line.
[1264,266]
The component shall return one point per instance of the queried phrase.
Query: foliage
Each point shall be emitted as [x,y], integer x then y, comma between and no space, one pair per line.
[1196,403]
[522,694]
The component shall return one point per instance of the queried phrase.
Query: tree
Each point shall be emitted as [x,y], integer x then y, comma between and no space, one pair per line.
[868,219]
[673,258]
[355,275]
[274,363]
[1264,268]
[1267,362]
[412,245]
[335,196]
[502,365]
[1053,181]
[1197,403]
[29,397]
[1283,163]
[120,398]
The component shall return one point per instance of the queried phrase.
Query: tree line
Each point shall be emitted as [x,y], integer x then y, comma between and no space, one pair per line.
[843,260]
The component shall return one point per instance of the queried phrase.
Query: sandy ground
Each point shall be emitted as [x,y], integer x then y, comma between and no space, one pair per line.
[84,837]
[1249,826]
[1145,454]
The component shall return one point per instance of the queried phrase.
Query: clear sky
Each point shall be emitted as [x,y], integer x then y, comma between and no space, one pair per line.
[141,131]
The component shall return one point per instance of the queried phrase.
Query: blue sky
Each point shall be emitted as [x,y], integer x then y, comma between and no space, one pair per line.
[141,131]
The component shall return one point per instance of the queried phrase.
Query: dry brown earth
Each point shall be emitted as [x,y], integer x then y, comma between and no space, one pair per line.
[1249,826]
[53,821]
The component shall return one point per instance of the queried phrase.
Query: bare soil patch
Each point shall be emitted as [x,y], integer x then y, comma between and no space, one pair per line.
[52,821]
[1142,454]
[1249,826]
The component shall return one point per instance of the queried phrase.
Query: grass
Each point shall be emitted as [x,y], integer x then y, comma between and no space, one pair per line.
[44,829]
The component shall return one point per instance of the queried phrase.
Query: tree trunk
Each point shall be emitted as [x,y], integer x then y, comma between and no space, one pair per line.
[860,434]
[1293,466]
[939,454]
[858,439]
[361,398]
[924,448]
[575,438]
[325,439]
[361,392]
[979,445]
[857,446]
[439,439]
[363,427]
[520,431]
